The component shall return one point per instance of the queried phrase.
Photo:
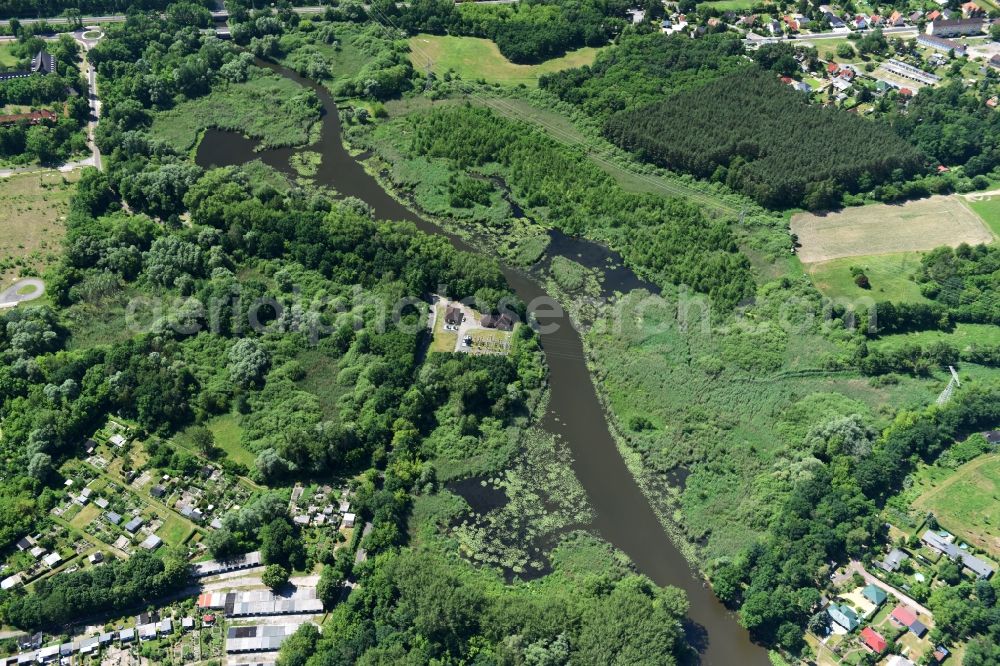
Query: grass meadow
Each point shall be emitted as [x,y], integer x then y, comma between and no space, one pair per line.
[965,499]
[34,207]
[474,58]
[727,410]
[889,275]
[962,337]
[988,209]
[884,229]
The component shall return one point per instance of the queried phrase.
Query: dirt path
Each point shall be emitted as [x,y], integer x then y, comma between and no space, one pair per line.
[953,479]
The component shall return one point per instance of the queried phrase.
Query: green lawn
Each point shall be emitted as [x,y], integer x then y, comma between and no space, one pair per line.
[888,274]
[86,516]
[236,107]
[989,210]
[474,58]
[964,500]
[227,431]
[7,59]
[444,341]
[175,530]
[962,337]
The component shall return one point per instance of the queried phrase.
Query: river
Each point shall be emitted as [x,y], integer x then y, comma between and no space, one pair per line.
[623,515]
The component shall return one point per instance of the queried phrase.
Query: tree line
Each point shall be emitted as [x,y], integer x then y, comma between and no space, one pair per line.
[525,32]
[116,586]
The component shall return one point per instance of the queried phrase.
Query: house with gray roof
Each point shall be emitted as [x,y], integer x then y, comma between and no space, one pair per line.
[946,546]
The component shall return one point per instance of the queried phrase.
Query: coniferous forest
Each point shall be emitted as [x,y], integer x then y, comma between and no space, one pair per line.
[752,132]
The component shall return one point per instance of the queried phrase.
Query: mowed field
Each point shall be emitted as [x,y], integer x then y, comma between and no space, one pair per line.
[884,229]
[34,207]
[889,275]
[474,58]
[987,206]
[967,501]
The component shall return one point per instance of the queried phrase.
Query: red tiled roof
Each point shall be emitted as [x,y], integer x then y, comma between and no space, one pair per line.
[873,640]
[903,615]
[33,116]
[832,67]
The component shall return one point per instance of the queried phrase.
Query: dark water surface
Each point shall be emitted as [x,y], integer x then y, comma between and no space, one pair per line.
[623,516]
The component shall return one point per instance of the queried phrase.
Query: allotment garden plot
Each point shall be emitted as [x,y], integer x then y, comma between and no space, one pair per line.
[885,229]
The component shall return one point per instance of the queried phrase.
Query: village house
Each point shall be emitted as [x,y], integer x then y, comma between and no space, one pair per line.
[971,9]
[844,616]
[946,546]
[904,617]
[893,560]
[453,316]
[874,594]
[502,322]
[133,525]
[873,640]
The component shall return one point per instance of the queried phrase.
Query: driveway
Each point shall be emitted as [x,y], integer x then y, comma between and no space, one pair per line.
[10,296]
[856,567]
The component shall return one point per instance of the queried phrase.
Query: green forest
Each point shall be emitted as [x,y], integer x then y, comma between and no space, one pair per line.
[575,196]
[758,136]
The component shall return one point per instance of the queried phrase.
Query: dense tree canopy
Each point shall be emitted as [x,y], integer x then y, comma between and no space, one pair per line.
[668,239]
[761,138]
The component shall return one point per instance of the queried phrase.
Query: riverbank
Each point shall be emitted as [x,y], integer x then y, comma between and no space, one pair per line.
[623,516]
[583,309]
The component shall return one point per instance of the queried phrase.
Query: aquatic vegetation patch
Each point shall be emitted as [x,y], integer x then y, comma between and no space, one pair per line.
[516,516]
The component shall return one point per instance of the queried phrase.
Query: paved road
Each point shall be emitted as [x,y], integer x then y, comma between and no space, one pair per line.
[95,114]
[895,32]
[856,567]
[92,98]
[9,297]
[218,15]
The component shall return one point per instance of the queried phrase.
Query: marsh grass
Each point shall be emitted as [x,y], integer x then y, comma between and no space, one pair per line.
[236,107]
